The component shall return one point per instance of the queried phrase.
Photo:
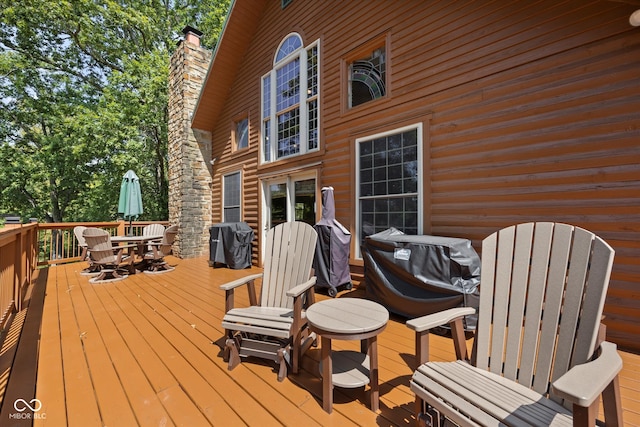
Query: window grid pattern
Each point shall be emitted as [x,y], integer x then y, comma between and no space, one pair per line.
[388,183]
[289,133]
[288,85]
[290,100]
[312,71]
[312,98]
[313,124]
[232,197]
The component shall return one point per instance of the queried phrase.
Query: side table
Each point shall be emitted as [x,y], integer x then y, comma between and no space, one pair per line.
[348,319]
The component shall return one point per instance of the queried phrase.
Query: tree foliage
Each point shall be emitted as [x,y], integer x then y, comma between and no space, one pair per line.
[83,98]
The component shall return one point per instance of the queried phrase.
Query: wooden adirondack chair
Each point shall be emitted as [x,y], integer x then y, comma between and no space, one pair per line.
[539,349]
[111,260]
[276,328]
[158,250]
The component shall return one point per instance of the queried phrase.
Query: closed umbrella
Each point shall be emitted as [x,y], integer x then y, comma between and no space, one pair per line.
[130,203]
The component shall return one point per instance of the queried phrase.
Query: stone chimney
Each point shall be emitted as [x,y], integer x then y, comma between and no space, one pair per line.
[191,35]
[190,174]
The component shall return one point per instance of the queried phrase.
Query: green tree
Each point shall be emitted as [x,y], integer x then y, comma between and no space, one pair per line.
[83,98]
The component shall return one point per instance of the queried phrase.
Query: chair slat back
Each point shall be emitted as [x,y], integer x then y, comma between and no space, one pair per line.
[100,247]
[153,229]
[77,231]
[542,293]
[168,238]
[288,258]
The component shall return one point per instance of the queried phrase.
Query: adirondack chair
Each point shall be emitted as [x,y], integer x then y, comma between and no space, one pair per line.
[276,328]
[111,260]
[158,250]
[80,231]
[539,355]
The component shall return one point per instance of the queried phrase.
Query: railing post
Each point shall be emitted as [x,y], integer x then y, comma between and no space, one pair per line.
[121,228]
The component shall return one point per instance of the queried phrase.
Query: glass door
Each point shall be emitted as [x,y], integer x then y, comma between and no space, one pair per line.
[305,200]
[278,207]
[290,198]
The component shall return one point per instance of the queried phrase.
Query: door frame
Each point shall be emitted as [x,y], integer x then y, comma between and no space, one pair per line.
[288,177]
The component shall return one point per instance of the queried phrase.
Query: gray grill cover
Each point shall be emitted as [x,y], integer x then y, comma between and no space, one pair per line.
[417,275]
[331,262]
[230,244]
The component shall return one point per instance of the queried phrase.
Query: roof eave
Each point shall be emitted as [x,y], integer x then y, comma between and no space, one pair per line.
[239,27]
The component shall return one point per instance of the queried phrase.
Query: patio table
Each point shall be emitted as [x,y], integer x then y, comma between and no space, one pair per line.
[138,242]
[348,319]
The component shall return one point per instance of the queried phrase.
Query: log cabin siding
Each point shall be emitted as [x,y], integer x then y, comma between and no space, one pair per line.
[530,113]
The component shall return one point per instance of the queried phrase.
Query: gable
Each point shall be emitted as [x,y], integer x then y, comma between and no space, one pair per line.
[237,34]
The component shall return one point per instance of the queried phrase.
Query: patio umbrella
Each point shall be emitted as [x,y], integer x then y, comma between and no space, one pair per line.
[130,203]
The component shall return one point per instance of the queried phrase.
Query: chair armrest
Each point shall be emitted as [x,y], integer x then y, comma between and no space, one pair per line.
[128,245]
[430,321]
[584,383]
[422,326]
[239,282]
[296,291]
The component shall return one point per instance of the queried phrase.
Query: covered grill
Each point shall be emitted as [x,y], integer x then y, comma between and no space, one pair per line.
[331,262]
[417,275]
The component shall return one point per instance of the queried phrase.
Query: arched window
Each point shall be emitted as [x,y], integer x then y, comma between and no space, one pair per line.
[290,101]
[287,47]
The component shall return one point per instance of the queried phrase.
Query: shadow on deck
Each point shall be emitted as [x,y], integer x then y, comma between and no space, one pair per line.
[146,351]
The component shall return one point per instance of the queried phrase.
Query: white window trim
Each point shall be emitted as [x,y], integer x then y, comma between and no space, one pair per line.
[420,142]
[300,53]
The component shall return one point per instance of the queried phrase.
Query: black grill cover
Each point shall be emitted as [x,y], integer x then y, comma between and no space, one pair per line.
[417,275]
[331,262]
[230,244]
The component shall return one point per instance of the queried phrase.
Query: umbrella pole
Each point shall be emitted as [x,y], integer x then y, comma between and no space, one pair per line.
[130,232]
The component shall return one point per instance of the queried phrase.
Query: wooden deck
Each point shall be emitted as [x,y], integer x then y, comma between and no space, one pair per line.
[145,351]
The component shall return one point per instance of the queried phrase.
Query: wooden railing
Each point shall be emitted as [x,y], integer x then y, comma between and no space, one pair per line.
[57,243]
[18,252]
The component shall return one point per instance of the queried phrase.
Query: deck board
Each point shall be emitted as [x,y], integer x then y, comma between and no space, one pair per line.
[147,351]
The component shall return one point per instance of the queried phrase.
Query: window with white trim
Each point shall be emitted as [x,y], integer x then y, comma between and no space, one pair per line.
[232,197]
[389,182]
[290,101]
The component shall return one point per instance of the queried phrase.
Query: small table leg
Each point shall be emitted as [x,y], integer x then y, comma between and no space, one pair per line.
[373,373]
[327,370]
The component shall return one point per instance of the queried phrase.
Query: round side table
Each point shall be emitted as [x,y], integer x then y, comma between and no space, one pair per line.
[348,319]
